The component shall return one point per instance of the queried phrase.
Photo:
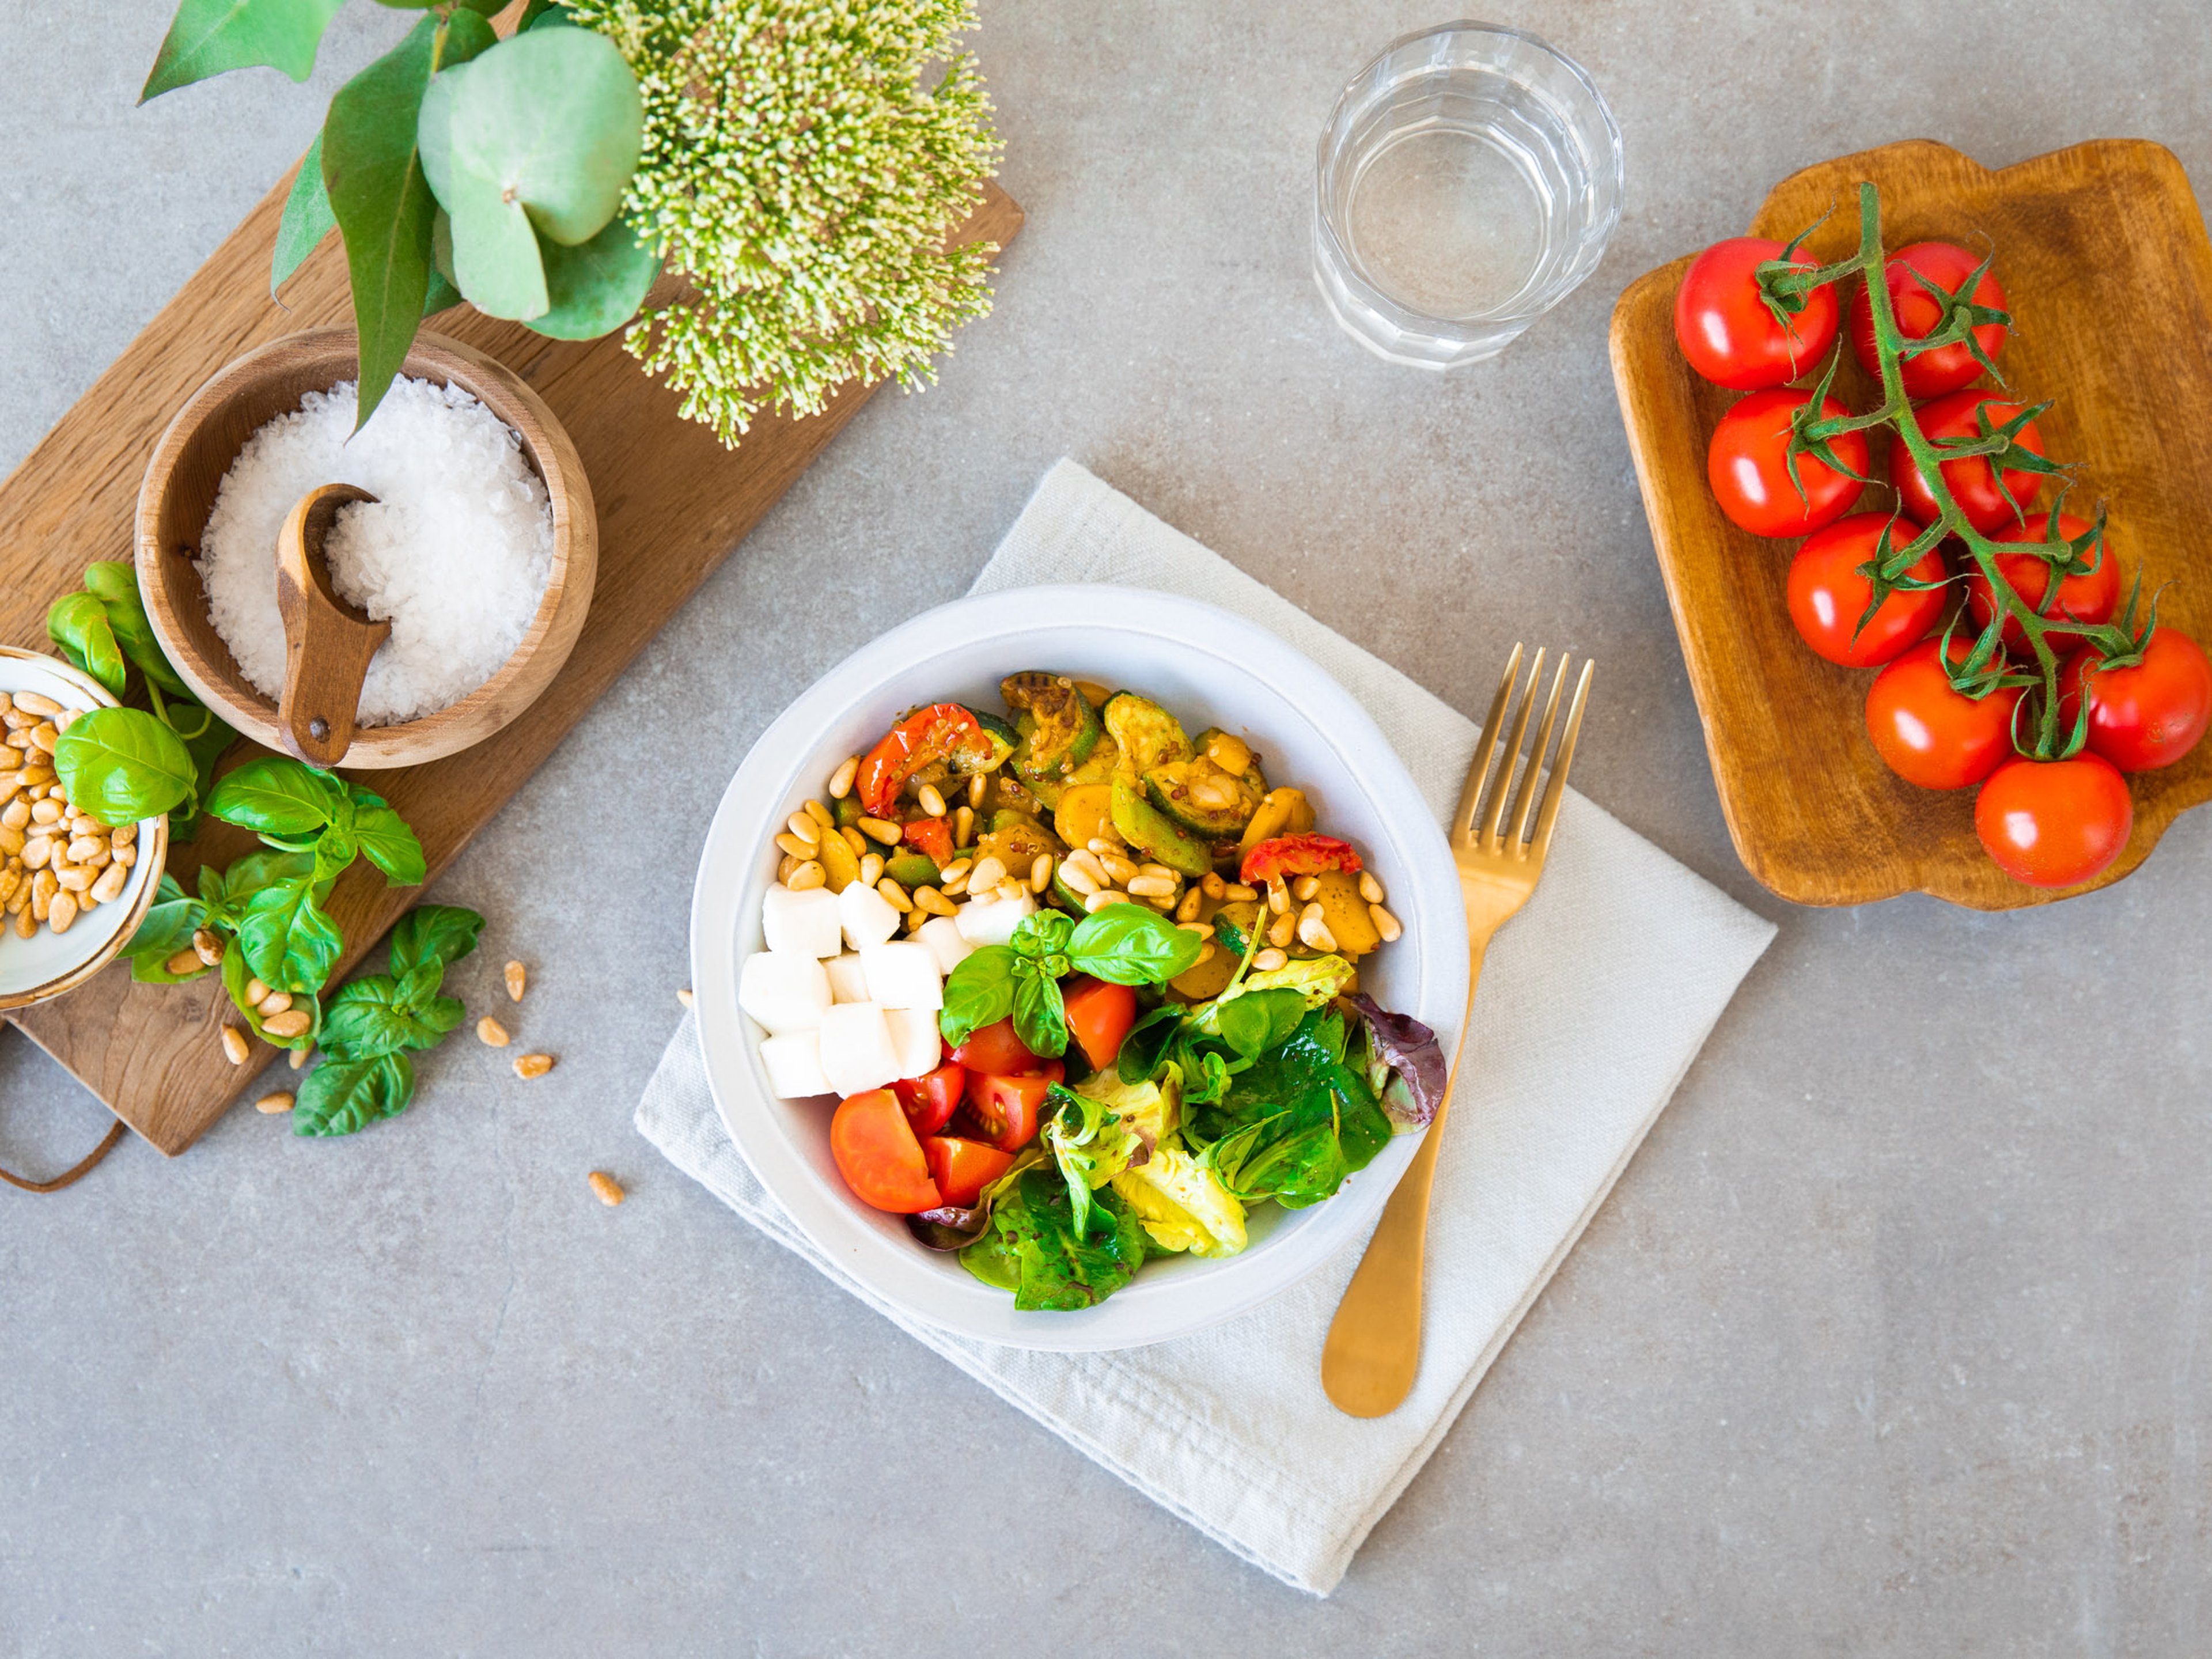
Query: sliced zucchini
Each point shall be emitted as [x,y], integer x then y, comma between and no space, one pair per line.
[1059,727]
[1203,799]
[989,752]
[1105,760]
[1154,834]
[1147,734]
[1065,896]
[1015,840]
[1084,812]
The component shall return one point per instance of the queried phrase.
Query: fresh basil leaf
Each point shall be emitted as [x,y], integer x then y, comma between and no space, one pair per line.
[387,841]
[340,1097]
[210,37]
[116,585]
[433,933]
[78,623]
[276,796]
[375,1015]
[307,219]
[980,992]
[334,852]
[1042,932]
[1039,1016]
[168,929]
[1130,944]
[1258,1020]
[236,976]
[122,765]
[288,941]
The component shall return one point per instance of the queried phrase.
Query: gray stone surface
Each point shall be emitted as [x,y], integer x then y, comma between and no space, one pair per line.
[1892,1341]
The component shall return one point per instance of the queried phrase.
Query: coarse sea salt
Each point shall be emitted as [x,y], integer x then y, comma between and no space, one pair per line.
[455,551]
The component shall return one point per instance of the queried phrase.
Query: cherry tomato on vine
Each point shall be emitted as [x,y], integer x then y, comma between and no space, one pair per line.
[1827,595]
[1972,481]
[2054,822]
[1931,734]
[2093,598]
[1930,373]
[1729,333]
[2147,714]
[1748,469]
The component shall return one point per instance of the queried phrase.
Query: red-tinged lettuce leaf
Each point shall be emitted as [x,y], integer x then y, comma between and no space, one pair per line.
[1410,1050]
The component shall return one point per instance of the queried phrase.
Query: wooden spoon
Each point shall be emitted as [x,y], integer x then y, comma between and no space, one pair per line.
[327,642]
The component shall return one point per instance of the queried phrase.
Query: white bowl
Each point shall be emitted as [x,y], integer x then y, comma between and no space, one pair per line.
[1207,666]
[48,964]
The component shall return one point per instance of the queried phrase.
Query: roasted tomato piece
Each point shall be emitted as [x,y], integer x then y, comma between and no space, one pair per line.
[1297,855]
[932,836]
[962,1169]
[931,1100]
[942,732]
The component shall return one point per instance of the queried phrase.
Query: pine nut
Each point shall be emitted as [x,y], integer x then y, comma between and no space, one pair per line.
[1100,845]
[1204,930]
[1237,893]
[890,889]
[186,961]
[299,1060]
[1119,868]
[820,815]
[208,947]
[272,1005]
[953,886]
[1163,903]
[26,923]
[1087,861]
[606,1189]
[1267,961]
[1385,923]
[255,990]
[234,1044]
[794,847]
[37,851]
[809,875]
[1369,888]
[40,777]
[1097,902]
[1206,954]
[783,870]
[975,786]
[915,919]
[518,980]
[932,803]
[1313,929]
[126,856]
[74,878]
[123,835]
[1212,885]
[33,702]
[96,856]
[929,899]
[62,912]
[66,719]
[1077,879]
[292,1022]
[531,1065]
[270,1105]
[491,1033]
[19,814]
[43,889]
[1305,888]
[805,828]
[872,868]
[958,870]
[1040,873]
[113,879]
[1157,870]
[1188,910]
[85,824]
[880,829]
[1278,896]
[854,840]
[11,840]
[841,781]
[684,996]
[43,736]
[7,703]
[1282,930]
[1152,886]
[986,872]
[963,827]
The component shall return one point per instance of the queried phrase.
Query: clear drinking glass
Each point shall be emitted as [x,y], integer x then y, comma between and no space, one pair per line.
[1469,177]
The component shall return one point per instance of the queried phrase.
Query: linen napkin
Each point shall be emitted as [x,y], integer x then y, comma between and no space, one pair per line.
[1593,1003]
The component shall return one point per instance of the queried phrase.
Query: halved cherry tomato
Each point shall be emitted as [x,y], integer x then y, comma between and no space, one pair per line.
[928,734]
[1930,373]
[1007,1111]
[1748,466]
[1931,734]
[1099,1015]
[876,1153]
[931,837]
[1297,855]
[2147,714]
[2091,599]
[2052,823]
[931,1100]
[1827,595]
[1730,334]
[996,1050]
[1972,481]
[962,1169]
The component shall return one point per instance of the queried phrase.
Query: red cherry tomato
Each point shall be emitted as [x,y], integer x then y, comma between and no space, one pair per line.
[962,1169]
[876,1153]
[1099,1015]
[1827,595]
[1747,466]
[1729,333]
[1930,373]
[1972,481]
[2147,715]
[2091,599]
[1297,855]
[931,1100]
[926,736]
[2052,823]
[1931,734]
[996,1050]
[1007,1111]
[931,837]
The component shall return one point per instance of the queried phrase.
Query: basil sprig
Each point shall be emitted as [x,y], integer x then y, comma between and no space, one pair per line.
[1125,943]
[372,1023]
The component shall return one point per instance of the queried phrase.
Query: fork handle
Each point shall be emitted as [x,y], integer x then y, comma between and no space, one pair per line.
[1374,1347]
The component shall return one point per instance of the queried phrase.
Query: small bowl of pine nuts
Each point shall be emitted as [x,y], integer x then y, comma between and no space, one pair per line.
[72,889]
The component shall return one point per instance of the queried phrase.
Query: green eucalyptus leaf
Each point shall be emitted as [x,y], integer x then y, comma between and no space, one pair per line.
[339,1098]
[122,765]
[595,287]
[441,295]
[546,14]
[307,219]
[274,795]
[210,37]
[78,623]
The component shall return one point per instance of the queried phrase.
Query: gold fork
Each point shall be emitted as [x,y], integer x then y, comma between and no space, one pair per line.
[1374,1346]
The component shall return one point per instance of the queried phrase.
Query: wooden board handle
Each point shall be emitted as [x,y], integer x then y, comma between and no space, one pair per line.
[327,642]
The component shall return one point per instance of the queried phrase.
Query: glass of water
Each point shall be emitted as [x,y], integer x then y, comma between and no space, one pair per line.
[1470,176]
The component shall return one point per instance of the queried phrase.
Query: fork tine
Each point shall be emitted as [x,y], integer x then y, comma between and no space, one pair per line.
[1487,832]
[1524,803]
[1477,774]
[1553,796]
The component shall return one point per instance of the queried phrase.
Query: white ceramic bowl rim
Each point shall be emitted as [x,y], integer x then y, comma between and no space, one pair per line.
[976,640]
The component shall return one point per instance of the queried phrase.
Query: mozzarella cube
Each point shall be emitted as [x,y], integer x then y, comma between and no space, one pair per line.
[942,935]
[784,991]
[915,1042]
[794,1064]
[802,924]
[856,1048]
[993,922]
[848,983]
[903,975]
[867,915]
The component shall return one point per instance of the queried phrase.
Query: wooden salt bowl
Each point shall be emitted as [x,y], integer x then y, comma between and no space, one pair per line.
[205,438]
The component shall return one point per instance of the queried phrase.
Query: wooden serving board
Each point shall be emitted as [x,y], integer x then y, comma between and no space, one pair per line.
[2103,254]
[672,503]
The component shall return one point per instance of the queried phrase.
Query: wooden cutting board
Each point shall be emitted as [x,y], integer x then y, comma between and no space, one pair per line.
[672,504]
[2103,254]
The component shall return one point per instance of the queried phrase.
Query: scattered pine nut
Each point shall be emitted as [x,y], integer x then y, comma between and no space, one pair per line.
[953,886]
[1268,960]
[186,961]
[985,873]
[881,829]
[1212,885]
[255,990]
[1305,888]
[209,947]
[606,1189]
[1040,873]
[975,786]
[1278,896]
[269,1105]
[1152,886]
[491,1033]
[61,914]
[1313,928]
[808,876]
[1077,879]
[796,848]
[32,702]
[234,1044]
[1187,912]
[1282,930]
[820,815]
[530,1066]
[1203,929]
[1385,923]
[841,781]
[290,1023]
[272,1005]
[518,980]
[1237,893]
[1206,954]
[935,903]
[1369,888]
[783,870]
[896,894]
[854,840]
[872,868]
[685,997]
[298,1062]
[803,826]
[109,887]
[932,803]
[1087,861]
[1119,870]
[963,826]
